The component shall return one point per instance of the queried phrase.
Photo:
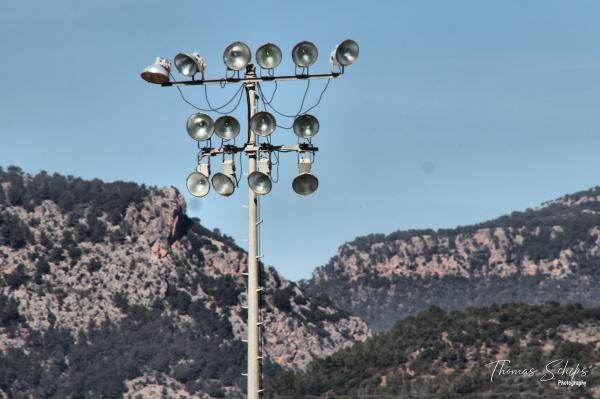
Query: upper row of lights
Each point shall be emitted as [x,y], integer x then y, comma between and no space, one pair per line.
[237,55]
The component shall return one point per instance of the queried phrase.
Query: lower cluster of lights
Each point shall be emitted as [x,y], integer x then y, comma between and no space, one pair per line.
[201,127]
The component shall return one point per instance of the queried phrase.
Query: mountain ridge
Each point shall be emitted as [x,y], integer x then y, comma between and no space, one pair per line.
[122,294]
[546,253]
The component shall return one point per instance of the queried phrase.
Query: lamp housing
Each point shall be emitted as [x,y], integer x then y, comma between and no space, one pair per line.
[197,182]
[306,126]
[157,73]
[236,56]
[227,127]
[345,53]
[263,123]
[260,181]
[200,126]
[224,183]
[304,54]
[268,56]
[305,183]
[189,64]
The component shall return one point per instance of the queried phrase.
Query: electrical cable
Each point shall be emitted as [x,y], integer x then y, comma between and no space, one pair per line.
[275,180]
[268,103]
[211,109]
[320,96]
[217,110]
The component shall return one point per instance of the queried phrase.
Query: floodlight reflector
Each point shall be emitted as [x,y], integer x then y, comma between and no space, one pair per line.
[305,183]
[236,56]
[268,56]
[304,54]
[345,53]
[263,123]
[200,126]
[227,127]
[189,64]
[158,72]
[306,126]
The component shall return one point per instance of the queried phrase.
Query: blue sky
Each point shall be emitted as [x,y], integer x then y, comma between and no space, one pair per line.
[455,113]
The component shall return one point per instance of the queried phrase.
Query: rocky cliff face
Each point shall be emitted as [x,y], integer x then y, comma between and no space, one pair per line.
[548,253]
[126,295]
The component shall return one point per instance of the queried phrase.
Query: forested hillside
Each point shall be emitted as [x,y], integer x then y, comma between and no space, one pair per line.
[453,355]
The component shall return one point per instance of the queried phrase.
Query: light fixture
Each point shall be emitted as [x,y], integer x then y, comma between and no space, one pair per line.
[190,64]
[158,72]
[268,56]
[304,54]
[263,123]
[197,183]
[259,180]
[305,183]
[345,53]
[306,126]
[200,126]
[236,56]
[227,127]
[224,183]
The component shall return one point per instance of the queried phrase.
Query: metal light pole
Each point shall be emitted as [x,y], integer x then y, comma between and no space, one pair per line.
[253,289]
[190,64]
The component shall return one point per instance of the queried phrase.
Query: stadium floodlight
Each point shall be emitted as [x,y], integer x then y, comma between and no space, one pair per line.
[224,183]
[345,53]
[200,126]
[236,56]
[197,183]
[158,72]
[189,64]
[304,54]
[263,123]
[306,126]
[227,127]
[260,181]
[305,183]
[268,56]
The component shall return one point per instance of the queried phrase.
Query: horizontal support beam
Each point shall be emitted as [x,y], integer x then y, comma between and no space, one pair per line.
[224,81]
[231,149]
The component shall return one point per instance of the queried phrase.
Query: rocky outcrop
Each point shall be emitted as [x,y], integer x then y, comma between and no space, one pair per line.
[111,259]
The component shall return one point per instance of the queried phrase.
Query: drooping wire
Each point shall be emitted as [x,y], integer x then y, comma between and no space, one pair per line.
[276,164]
[272,95]
[320,97]
[185,100]
[237,94]
[281,113]
[268,103]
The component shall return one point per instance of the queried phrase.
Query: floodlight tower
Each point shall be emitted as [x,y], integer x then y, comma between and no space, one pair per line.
[201,127]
